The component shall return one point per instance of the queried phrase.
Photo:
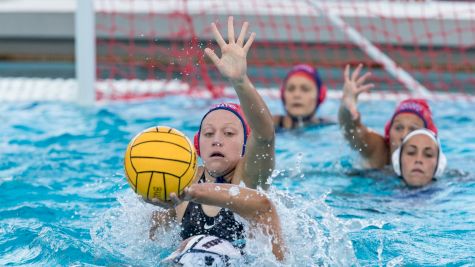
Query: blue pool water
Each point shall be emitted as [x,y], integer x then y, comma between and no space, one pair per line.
[65,201]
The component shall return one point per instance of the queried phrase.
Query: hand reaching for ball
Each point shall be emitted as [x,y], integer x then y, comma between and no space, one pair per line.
[174,199]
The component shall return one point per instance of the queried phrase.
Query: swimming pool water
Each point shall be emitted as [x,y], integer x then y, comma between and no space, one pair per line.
[65,201]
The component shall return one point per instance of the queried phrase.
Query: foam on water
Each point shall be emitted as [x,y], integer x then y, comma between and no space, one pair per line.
[122,231]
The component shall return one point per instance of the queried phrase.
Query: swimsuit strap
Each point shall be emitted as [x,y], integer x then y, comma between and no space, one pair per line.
[305,120]
[281,121]
[202,178]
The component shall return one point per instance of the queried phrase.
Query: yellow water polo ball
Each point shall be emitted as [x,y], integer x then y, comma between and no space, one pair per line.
[158,161]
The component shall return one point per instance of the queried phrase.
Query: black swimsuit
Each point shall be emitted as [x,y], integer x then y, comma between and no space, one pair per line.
[223,225]
[280,125]
[321,122]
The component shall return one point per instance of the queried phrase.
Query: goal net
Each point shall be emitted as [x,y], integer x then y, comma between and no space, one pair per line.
[149,48]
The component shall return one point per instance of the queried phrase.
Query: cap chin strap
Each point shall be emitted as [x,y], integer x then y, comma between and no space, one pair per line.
[301,120]
[441,158]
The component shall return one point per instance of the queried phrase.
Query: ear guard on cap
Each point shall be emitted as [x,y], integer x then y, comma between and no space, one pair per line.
[196,143]
[396,159]
[441,160]
[441,164]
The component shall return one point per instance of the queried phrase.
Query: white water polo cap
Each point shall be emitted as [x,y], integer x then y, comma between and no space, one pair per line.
[441,159]
[204,250]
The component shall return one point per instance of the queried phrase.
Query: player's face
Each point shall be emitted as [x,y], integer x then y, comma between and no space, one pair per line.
[419,160]
[403,124]
[221,142]
[300,96]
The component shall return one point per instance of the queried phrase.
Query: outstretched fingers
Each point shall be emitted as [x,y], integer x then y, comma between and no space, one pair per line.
[346,74]
[364,88]
[210,53]
[217,36]
[361,80]
[249,42]
[231,30]
[356,73]
[242,35]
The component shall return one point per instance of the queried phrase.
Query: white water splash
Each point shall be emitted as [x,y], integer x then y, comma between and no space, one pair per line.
[123,231]
[6,179]
[309,241]
[312,232]
[398,261]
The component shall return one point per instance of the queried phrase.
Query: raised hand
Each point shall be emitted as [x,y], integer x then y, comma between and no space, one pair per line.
[186,195]
[232,64]
[353,87]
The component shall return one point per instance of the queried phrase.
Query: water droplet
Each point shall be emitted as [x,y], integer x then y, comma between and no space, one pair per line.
[234,191]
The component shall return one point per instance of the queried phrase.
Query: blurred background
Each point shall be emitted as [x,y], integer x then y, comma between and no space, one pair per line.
[159,44]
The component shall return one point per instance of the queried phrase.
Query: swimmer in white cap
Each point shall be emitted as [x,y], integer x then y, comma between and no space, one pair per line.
[419,159]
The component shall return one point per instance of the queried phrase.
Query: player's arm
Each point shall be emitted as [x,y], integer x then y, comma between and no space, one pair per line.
[250,204]
[259,157]
[356,133]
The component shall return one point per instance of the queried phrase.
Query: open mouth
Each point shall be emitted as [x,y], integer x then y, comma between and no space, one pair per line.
[216,154]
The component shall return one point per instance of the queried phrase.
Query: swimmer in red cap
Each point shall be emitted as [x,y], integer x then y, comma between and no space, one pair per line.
[302,92]
[410,114]
[235,143]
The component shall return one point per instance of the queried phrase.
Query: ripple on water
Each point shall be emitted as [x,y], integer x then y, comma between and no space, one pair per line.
[65,200]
